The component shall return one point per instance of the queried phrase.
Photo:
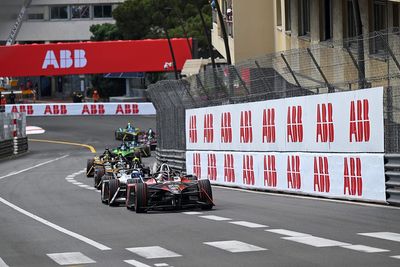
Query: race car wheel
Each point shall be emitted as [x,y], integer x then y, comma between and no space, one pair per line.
[205,194]
[140,198]
[98,174]
[90,168]
[112,188]
[104,191]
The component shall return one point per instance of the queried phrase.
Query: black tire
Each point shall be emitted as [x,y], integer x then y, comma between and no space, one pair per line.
[89,168]
[104,191]
[98,174]
[140,198]
[112,188]
[205,194]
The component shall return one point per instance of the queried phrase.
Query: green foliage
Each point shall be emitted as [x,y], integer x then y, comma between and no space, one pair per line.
[105,32]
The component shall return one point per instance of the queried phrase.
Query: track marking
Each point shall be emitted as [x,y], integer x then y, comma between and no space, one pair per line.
[192,213]
[396,257]
[70,258]
[137,263]
[316,241]
[215,218]
[154,252]
[2,263]
[56,227]
[249,224]
[33,167]
[34,130]
[383,235]
[286,232]
[91,148]
[234,246]
[161,264]
[366,249]
[307,197]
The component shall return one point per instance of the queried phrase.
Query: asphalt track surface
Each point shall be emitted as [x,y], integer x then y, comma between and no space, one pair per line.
[47,207]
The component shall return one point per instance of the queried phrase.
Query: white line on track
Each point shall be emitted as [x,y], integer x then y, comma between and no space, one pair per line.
[154,252]
[56,227]
[70,258]
[366,249]
[33,167]
[192,213]
[2,263]
[396,257]
[318,242]
[215,218]
[234,246]
[384,235]
[286,232]
[249,224]
[137,263]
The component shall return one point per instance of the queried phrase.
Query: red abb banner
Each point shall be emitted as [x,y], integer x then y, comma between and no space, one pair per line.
[92,57]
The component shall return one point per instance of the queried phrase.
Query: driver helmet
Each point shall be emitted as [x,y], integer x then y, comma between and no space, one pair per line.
[136,174]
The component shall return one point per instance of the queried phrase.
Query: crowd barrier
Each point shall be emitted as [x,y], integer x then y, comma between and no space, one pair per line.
[328,145]
[82,109]
[13,140]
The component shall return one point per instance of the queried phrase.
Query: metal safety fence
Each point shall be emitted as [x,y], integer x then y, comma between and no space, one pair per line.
[13,139]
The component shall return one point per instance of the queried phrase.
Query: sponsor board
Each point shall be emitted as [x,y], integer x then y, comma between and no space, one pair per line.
[72,109]
[356,176]
[338,122]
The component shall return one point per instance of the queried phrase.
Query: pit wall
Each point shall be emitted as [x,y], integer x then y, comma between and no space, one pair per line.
[328,145]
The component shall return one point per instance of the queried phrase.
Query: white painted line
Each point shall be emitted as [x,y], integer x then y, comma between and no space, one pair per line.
[383,235]
[56,227]
[72,181]
[33,167]
[154,252]
[366,249]
[70,258]
[84,186]
[77,183]
[161,264]
[287,232]
[396,257]
[70,178]
[2,263]
[249,224]
[234,246]
[215,218]
[34,130]
[316,241]
[137,263]
[192,213]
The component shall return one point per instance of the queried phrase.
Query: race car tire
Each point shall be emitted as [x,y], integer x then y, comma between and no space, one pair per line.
[140,198]
[89,168]
[98,174]
[116,134]
[104,191]
[112,188]
[205,194]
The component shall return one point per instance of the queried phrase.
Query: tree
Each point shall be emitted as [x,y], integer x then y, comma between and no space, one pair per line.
[105,32]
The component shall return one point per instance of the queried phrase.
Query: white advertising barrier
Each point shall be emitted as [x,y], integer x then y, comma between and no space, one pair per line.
[82,109]
[338,122]
[354,177]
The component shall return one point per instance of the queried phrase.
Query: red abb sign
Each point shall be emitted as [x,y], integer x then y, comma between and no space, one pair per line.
[321,175]
[229,168]
[246,128]
[270,175]
[294,124]
[293,172]
[91,57]
[212,167]
[268,130]
[248,170]
[226,127]
[359,121]
[193,129]
[353,183]
[325,127]
[197,164]
[208,128]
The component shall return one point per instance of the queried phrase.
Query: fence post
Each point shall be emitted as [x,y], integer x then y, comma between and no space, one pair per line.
[330,87]
[290,69]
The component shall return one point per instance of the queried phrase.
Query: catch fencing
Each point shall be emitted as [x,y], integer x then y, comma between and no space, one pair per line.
[13,139]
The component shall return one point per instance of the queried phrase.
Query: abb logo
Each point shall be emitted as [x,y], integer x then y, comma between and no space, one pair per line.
[359,121]
[127,109]
[197,164]
[352,177]
[248,170]
[55,110]
[246,129]
[321,175]
[325,127]
[226,127]
[65,61]
[295,124]
[270,176]
[229,169]
[212,167]
[193,129]
[93,109]
[28,109]
[293,172]
[268,131]
[208,128]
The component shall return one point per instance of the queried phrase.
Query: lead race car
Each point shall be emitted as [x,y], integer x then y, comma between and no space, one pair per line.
[169,190]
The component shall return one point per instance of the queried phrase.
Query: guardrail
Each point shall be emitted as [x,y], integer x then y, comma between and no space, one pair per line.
[6,148]
[13,140]
[392,173]
[174,158]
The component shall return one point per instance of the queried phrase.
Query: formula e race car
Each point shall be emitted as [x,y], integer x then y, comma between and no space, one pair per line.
[132,149]
[169,190]
[91,164]
[129,133]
